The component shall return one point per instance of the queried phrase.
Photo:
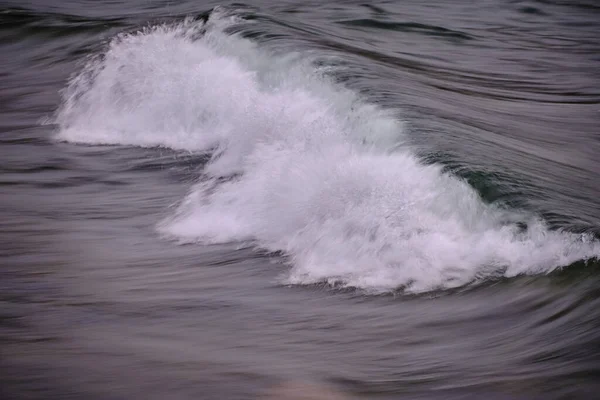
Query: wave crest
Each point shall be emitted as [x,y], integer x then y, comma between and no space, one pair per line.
[313,171]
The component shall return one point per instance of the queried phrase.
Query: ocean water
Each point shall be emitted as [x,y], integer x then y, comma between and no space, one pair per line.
[390,200]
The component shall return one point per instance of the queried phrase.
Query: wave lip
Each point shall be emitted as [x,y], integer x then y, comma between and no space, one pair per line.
[310,170]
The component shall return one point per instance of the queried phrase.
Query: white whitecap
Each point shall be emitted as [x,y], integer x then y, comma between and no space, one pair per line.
[319,174]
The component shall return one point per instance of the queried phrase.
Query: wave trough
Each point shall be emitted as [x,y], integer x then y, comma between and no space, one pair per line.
[311,170]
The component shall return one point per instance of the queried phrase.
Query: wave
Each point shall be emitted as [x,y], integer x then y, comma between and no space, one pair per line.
[31,21]
[300,165]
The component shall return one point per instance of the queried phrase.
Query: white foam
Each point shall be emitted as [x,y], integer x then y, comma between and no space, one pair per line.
[321,176]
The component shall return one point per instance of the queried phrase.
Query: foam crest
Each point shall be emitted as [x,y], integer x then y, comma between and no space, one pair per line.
[312,171]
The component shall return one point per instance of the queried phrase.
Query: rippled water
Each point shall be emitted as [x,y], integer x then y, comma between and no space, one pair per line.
[251,201]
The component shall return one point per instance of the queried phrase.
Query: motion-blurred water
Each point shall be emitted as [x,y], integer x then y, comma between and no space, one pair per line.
[240,201]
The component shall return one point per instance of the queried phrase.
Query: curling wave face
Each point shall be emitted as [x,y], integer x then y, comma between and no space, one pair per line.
[311,170]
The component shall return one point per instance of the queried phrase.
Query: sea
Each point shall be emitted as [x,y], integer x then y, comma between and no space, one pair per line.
[343,199]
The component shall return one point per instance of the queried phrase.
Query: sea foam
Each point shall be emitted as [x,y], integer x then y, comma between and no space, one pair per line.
[300,165]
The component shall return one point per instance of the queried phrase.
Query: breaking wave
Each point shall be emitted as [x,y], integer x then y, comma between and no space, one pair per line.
[300,165]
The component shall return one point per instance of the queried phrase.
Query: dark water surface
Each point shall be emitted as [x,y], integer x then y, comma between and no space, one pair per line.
[214,208]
